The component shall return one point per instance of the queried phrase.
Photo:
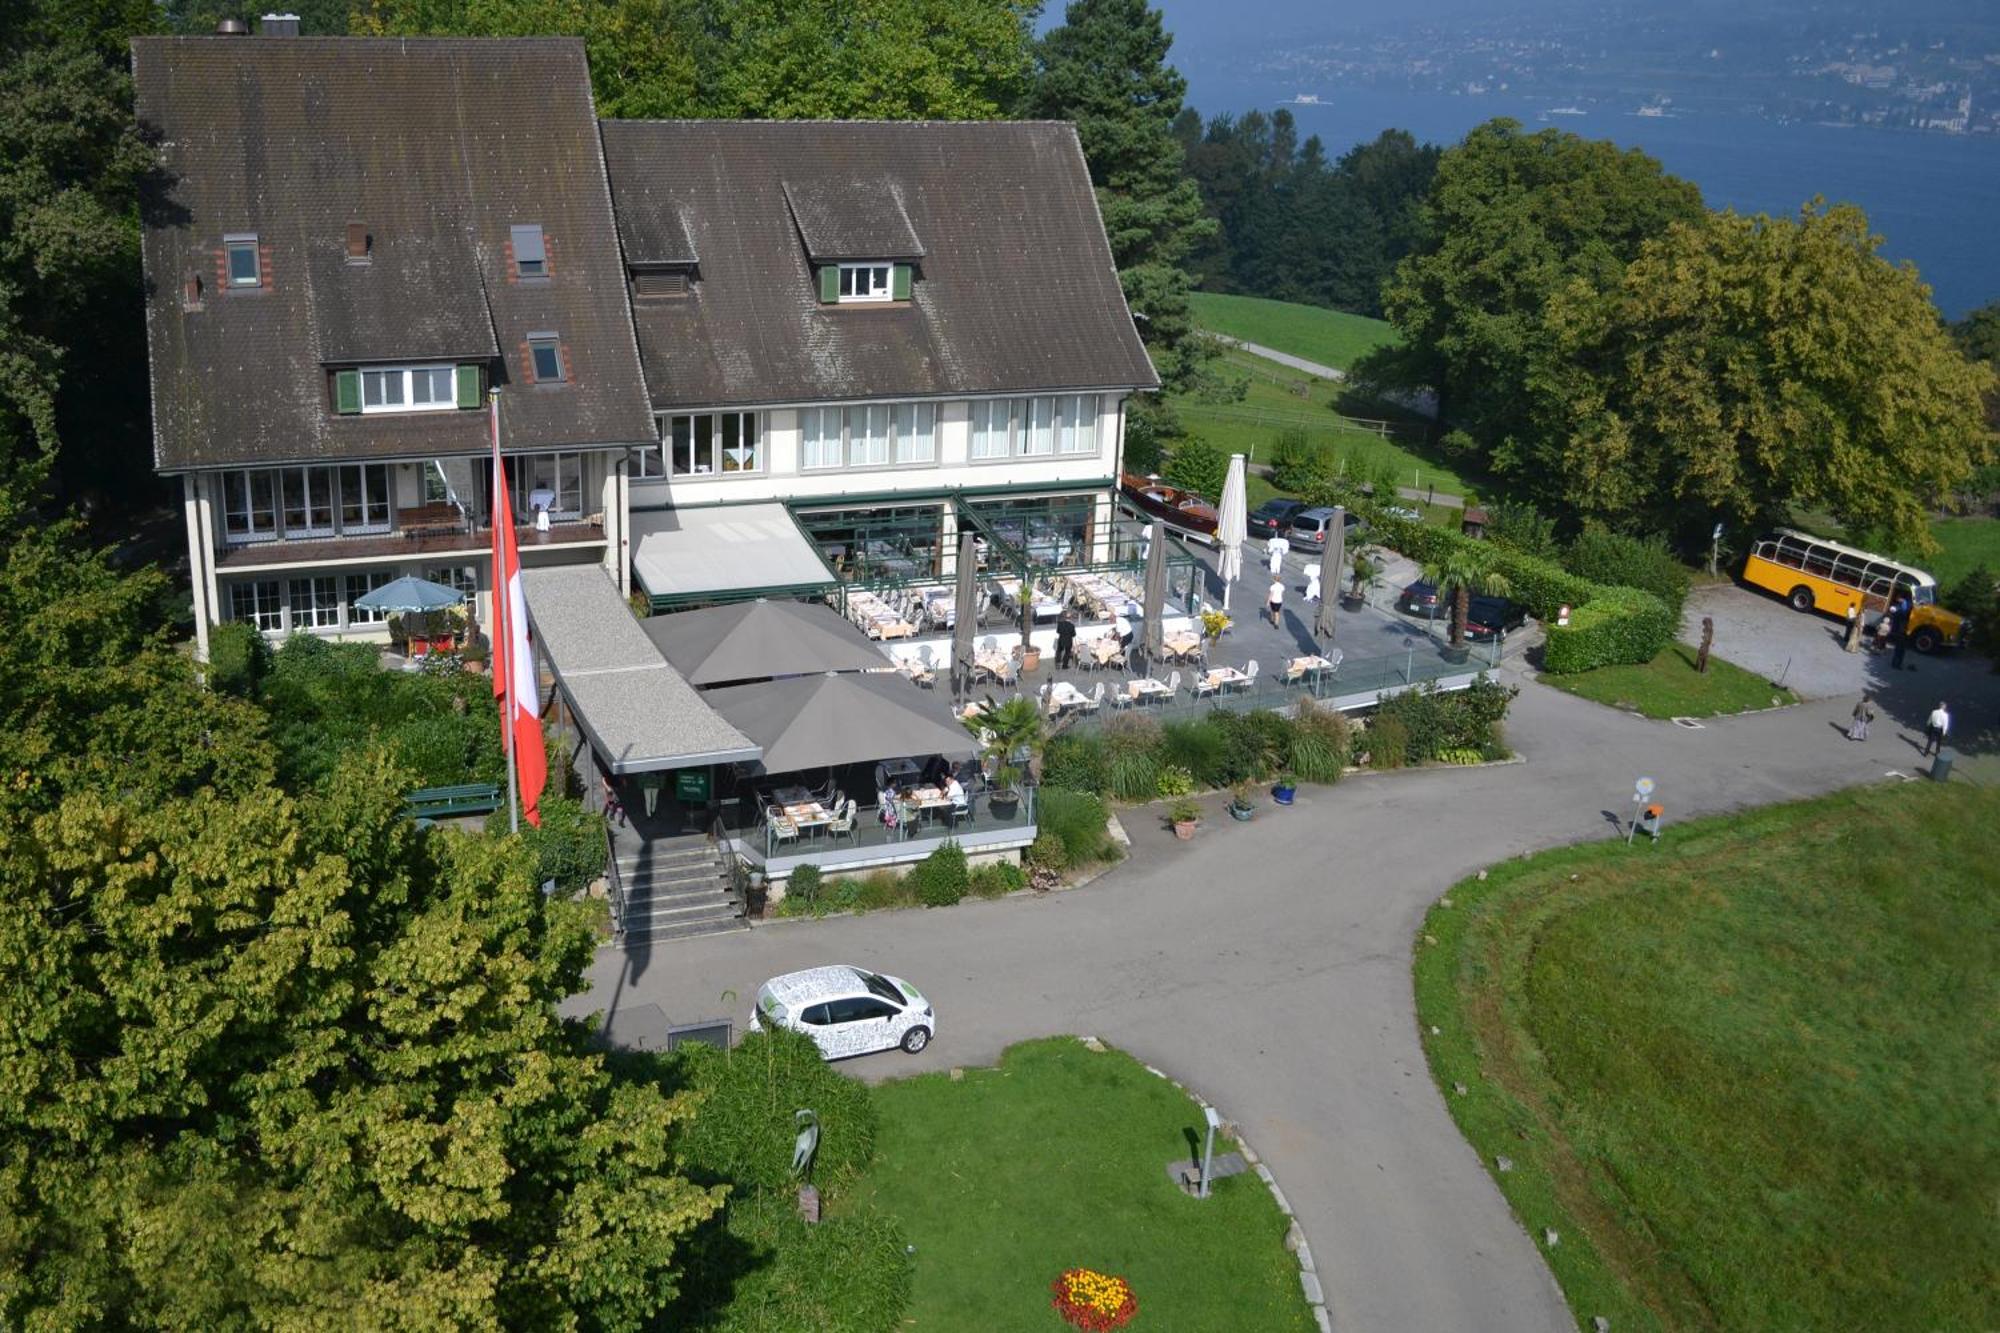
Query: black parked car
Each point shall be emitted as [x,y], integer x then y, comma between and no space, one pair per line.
[1489,616]
[1272,517]
[1421,599]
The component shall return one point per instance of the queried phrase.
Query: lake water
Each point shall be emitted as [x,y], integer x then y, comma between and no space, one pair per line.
[1933,198]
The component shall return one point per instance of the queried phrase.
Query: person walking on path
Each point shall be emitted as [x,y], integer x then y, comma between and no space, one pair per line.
[1853,642]
[1274,602]
[1937,730]
[1864,713]
[1065,640]
[1899,627]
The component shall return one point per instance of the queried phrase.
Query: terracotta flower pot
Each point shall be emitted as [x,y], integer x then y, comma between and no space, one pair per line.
[1184,829]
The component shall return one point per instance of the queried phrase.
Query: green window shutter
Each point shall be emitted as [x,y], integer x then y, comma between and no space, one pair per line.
[899,282]
[829,283]
[347,392]
[468,386]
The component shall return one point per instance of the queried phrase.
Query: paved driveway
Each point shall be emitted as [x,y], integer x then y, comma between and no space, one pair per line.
[1268,966]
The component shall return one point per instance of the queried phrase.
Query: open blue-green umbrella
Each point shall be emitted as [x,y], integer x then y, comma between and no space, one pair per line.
[410,593]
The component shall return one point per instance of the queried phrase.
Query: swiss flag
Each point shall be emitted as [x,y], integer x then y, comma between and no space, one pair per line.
[514,676]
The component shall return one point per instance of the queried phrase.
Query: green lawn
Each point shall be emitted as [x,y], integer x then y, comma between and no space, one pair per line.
[1964,544]
[1055,1160]
[1329,337]
[1669,686]
[1745,1074]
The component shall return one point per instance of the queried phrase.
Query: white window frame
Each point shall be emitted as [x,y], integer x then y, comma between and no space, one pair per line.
[650,463]
[719,426]
[319,489]
[376,380]
[259,602]
[552,344]
[358,584]
[568,469]
[314,601]
[866,282]
[369,486]
[1076,424]
[1037,438]
[240,485]
[242,243]
[463,578]
[814,442]
[913,434]
[987,433]
[868,435]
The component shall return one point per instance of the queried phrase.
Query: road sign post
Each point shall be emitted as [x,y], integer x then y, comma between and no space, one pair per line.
[1640,791]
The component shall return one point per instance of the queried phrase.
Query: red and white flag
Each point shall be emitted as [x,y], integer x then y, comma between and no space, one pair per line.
[514,676]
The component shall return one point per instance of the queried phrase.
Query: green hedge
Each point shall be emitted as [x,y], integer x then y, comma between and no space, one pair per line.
[1609,624]
[1617,626]
[1631,562]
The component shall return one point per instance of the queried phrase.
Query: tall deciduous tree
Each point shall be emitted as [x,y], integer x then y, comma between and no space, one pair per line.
[1513,218]
[1745,365]
[278,1063]
[1106,69]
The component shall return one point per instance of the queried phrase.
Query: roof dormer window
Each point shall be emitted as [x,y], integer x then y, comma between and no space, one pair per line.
[531,255]
[240,250]
[865,282]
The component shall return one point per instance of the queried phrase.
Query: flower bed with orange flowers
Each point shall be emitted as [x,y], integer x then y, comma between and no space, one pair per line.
[1093,1300]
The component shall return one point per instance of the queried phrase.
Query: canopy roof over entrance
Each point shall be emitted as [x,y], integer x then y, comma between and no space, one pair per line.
[724,551]
[753,640]
[821,721]
[640,714]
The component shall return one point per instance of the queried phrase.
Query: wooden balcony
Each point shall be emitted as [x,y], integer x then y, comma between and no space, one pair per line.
[428,530]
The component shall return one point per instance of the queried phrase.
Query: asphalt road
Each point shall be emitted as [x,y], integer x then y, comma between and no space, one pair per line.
[1267,965]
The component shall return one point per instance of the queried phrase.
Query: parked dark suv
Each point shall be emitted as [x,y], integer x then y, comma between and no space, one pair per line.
[1490,616]
[1272,517]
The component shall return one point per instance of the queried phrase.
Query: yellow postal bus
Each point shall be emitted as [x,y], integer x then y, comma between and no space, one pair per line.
[1818,575]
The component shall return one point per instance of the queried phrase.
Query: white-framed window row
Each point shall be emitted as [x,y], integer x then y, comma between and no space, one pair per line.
[308,603]
[867,435]
[711,444]
[1062,425]
[305,503]
[865,282]
[409,389]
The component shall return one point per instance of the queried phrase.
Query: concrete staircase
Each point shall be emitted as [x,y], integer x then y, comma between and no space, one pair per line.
[674,888]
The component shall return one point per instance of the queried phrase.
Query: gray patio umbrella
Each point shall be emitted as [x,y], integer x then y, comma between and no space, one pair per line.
[751,640]
[410,593]
[1154,604]
[811,722]
[965,615]
[1330,562]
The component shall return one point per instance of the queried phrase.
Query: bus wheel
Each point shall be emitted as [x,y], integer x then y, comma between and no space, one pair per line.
[1802,598]
[1926,640]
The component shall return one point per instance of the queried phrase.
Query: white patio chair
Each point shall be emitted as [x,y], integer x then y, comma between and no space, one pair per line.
[1174,684]
[1204,686]
[1334,657]
[1095,700]
[844,821]
[1250,673]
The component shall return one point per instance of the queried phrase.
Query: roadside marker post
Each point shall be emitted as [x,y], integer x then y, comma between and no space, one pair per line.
[1640,791]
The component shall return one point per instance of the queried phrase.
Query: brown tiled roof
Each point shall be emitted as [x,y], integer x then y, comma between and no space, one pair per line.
[1015,289]
[437,146]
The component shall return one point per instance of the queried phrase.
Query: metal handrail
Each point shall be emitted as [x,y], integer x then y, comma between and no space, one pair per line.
[739,882]
[614,881]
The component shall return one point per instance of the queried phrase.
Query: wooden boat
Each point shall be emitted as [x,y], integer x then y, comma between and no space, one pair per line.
[1183,510]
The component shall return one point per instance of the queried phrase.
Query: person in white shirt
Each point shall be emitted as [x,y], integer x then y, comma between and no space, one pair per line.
[955,790]
[1937,730]
[1123,629]
[1274,601]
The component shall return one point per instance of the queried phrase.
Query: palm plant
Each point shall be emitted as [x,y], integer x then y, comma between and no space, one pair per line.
[1007,731]
[1364,572]
[1462,569]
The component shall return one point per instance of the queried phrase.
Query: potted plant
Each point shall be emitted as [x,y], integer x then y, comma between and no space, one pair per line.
[1284,788]
[1214,622]
[1011,734]
[1242,802]
[1461,570]
[1363,572]
[1184,814]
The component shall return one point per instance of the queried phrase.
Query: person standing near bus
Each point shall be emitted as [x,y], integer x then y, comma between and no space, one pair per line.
[1899,630]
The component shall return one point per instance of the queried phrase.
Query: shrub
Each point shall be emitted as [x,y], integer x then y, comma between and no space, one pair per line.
[744,1131]
[998,880]
[1183,811]
[1255,744]
[1645,563]
[1431,721]
[1319,743]
[1198,747]
[942,876]
[1078,761]
[1077,820]
[1175,781]
[569,847]
[1619,625]
[769,1270]
[1049,853]
[238,659]
[1519,527]
[804,885]
[1297,465]
[847,893]
[1388,743]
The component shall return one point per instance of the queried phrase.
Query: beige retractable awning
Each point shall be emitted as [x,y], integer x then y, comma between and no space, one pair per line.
[724,552]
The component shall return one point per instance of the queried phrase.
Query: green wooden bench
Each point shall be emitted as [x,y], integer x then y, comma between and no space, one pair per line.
[472,798]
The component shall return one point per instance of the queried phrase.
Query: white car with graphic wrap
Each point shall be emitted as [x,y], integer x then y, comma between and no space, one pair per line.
[846,1010]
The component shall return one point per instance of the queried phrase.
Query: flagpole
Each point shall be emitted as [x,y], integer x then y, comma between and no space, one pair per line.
[503,632]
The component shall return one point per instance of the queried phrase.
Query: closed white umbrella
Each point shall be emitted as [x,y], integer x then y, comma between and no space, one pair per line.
[1232,524]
